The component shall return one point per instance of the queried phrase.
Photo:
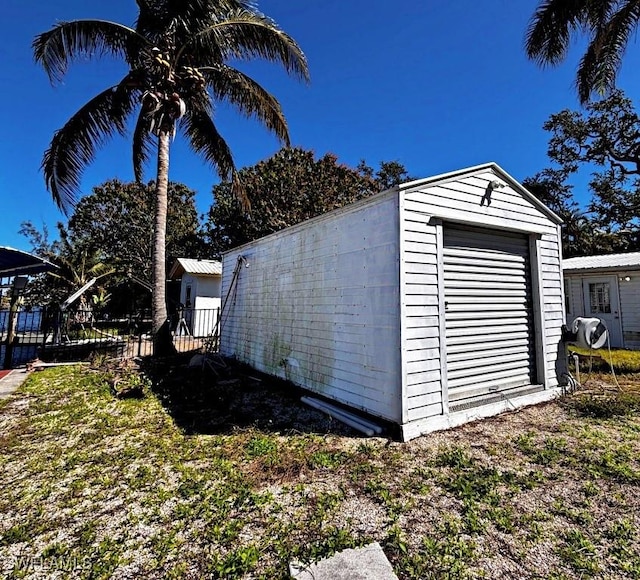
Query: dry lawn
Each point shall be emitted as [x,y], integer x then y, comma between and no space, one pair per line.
[196,480]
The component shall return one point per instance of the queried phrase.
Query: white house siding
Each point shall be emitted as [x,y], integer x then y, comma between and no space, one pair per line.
[575,303]
[208,286]
[318,304]
[467,199]
[422,360]
[629,291]
[551,297]
[630,308]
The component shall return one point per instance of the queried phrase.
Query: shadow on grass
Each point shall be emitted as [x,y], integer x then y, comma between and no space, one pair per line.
[202,401]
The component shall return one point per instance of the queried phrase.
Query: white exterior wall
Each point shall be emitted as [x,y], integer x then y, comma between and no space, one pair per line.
[463,200]
[551,300]
[423,364]
[318,304]
[575,297]
[629,293]
[630,308]
[207,286]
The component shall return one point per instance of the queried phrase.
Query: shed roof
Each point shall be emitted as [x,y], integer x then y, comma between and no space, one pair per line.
[18,263]
[197,267]
[612,261]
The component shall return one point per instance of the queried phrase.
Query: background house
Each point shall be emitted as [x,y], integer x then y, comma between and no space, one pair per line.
[200,284]
[606,287]
[428,305]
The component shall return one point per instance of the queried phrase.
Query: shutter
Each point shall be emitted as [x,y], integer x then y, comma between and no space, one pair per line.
[488,316]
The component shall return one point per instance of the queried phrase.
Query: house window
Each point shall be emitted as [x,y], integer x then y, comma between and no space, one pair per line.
[600,297]
[187,298]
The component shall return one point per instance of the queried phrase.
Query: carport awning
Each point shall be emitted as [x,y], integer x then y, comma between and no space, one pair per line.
[18,263]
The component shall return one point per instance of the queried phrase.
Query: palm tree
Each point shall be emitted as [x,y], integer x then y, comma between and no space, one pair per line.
[177,56]
[608,25]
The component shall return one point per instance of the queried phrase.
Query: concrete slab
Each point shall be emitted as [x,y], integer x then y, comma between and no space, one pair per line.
[10,382]
[366,563]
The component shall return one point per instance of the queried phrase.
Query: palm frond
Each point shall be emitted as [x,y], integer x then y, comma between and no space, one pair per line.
[549,33]
[229,84]
[69,41]
[183,17]
[141,145]
[73,146]
[246,35]
[601,62]
[206,140]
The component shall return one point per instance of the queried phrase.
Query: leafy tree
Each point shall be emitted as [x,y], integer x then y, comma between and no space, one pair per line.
[608,26]
[177,55]
[389,173]
[76,266]
[290,187]
[605,137]
[116,220]
[114,224]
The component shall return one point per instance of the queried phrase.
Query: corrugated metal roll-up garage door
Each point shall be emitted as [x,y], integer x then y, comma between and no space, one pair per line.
[489,316]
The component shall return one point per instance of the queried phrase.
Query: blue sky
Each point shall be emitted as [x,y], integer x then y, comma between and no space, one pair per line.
[435,85]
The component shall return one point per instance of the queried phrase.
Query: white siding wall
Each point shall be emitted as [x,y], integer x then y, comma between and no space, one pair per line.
[551,298]
[208,286]
[466,200]
[629,302]
[423,364]
[318,304]
[630,308]
[576,298]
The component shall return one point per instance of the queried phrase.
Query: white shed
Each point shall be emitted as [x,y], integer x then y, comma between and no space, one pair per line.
[200,289]
[606,287]
[428,305]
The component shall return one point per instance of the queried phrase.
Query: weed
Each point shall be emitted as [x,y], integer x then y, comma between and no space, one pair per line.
[579,552]
[576,516]
[263,447]
[21,532]
[551,451]
[622,534]
[604,405]
[243,502]
[334,539]
[454,457]
[384,495]
[444,555]
[504,518]
[473,484]
[472,519]
[327,459]
[590,489]
[235,564]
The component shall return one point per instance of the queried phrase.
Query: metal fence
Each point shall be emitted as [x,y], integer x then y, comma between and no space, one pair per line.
[78,334]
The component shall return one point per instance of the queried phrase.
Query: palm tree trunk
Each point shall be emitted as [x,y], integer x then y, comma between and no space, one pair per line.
[160,328]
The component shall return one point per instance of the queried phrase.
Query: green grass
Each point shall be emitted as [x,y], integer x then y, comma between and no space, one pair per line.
[99,486]
[622,361]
